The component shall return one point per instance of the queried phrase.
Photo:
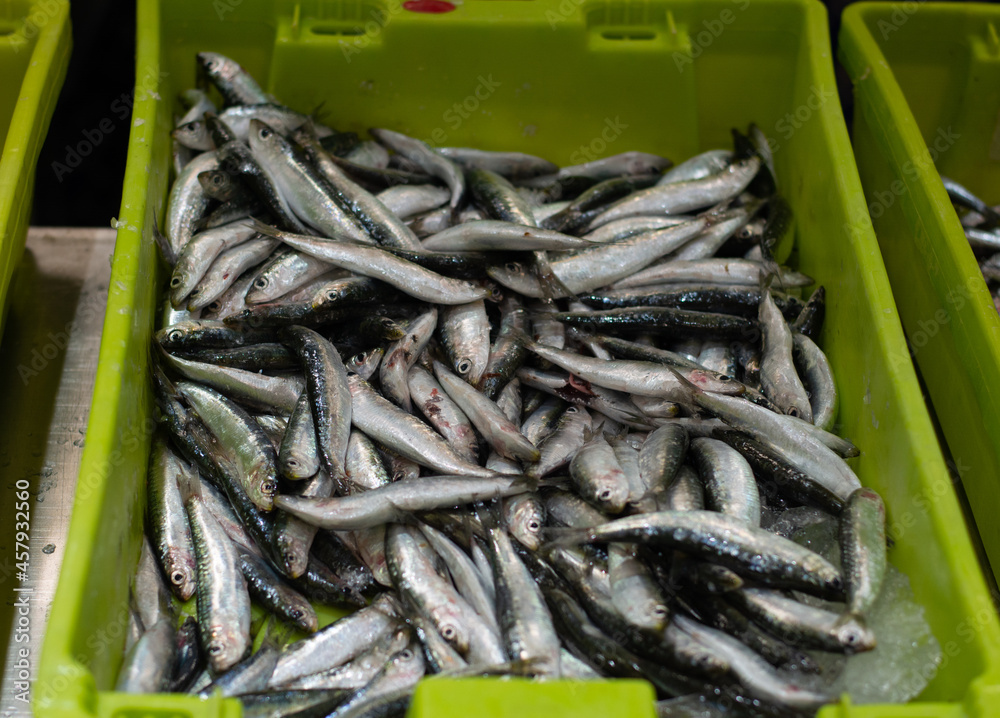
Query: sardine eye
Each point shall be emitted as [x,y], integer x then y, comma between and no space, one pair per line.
[214,306]
[331,295]
[176,335]
[723,377]
[512,267]
[399,475]
[218,180]
[177,578]
[292,462]
[406,654]
[296,613]
[464,366]
[214,649]
[571,410]
[604,495]
[449,633]
[533,526]
[268,487]
[175,282]
[794,412]
[660,612]
[264,133]
[261,283]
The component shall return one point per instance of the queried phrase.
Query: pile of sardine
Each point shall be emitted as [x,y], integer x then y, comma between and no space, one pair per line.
[982,228]
[523,419]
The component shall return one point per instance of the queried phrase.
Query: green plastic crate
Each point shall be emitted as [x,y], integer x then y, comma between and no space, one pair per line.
[563,80]
[927,97]
[34,52]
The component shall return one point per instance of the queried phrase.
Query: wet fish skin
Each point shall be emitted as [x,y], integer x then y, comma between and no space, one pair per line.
[147,667]
[863,550]
[223,600]
[424,157]
[508,350]
[443,413]
[804,625]
[730,485]
[268,589]
[502,434]
[338,642]
[525,621]
[603,264]
[329,396]
[524,517]
[190,660]
[822,387]
[752,671]
[559,447]
[745,549]
[245,441]
[389,503]
[465,332]
[512,165]
[187,201]
[598,476]
[257,391]
[293,538]
[779,379]
[307,194]
[235,84]
[404,433]
[374,216]
[170,532]
[197,254]
[406,276]
[457,622]
[464,574]
[298,457]
[248,676]
[282,274]
[401,355]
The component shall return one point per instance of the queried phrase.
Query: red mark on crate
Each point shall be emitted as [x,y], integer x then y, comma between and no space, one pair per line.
[429,6]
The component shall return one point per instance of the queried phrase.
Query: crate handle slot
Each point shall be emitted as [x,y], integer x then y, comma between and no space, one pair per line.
[628,35]
[327,30]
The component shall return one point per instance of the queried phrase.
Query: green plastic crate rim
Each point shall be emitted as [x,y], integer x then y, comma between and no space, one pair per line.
[34,52]
[927,99]
[663,76]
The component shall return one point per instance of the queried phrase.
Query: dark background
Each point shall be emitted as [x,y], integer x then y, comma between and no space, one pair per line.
[101,71]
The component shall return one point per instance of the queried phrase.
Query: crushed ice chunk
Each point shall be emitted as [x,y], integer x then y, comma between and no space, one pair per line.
[693,706]
[907,656]
[789,522]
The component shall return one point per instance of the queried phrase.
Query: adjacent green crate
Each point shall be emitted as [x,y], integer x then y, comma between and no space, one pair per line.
[34,52]
[927,97]
[563,80]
